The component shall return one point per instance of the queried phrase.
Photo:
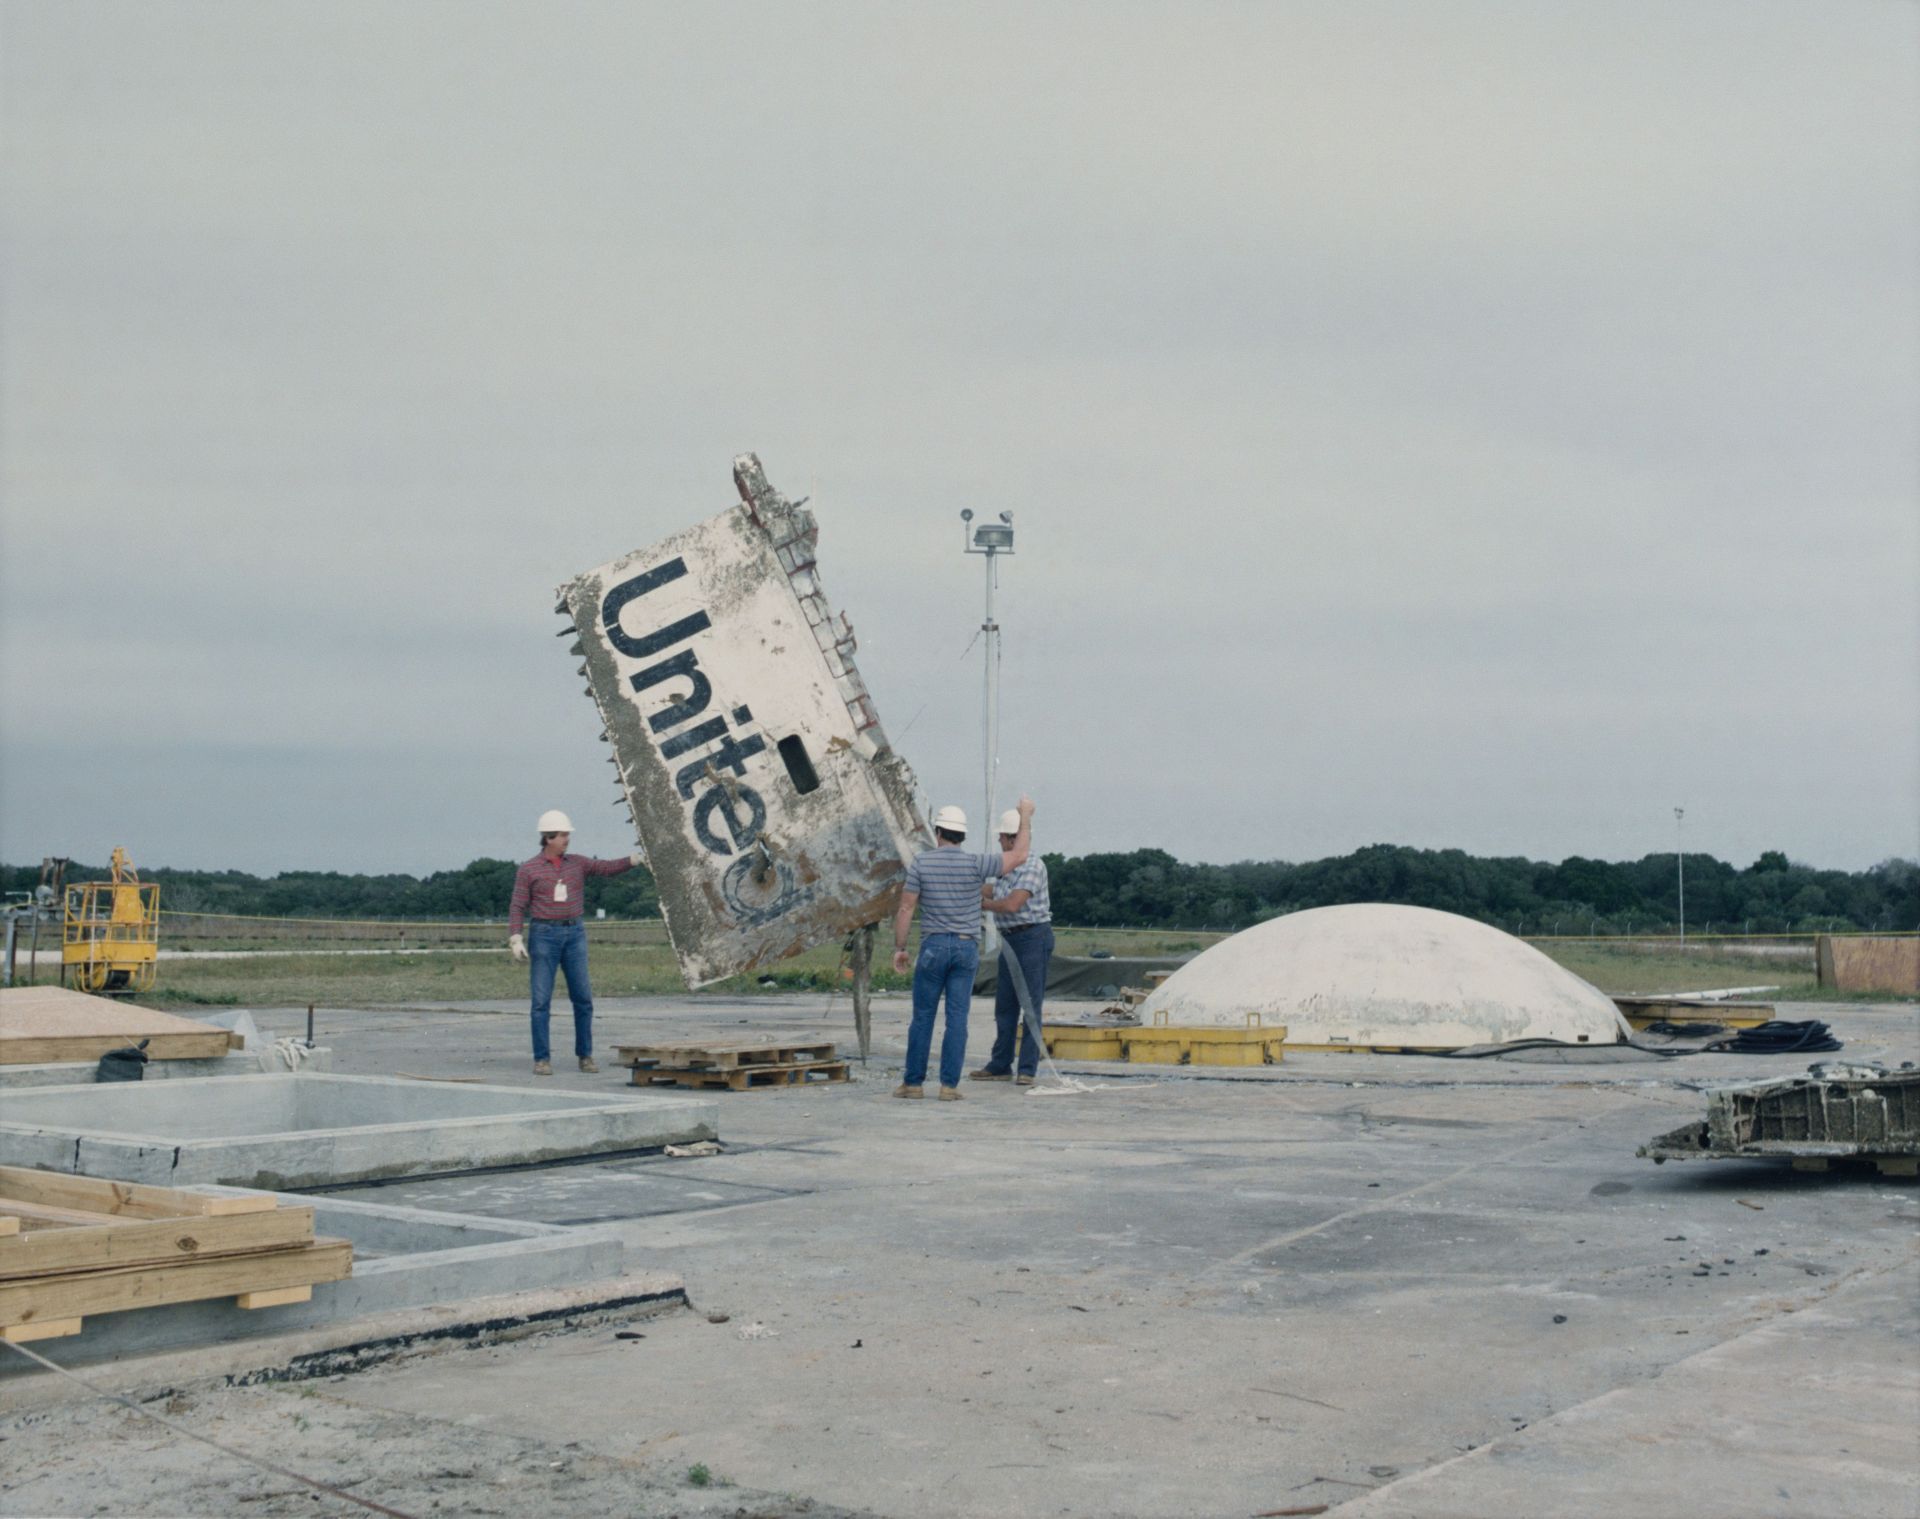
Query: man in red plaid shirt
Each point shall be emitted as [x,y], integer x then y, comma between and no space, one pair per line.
[551,890]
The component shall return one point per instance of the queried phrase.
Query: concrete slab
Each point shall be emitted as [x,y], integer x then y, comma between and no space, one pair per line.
[81,1072]
[1213,1294]
[301,1130]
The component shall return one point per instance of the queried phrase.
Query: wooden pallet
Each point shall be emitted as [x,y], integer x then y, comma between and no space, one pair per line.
[742,1078]
[722,1055]
[75,1246]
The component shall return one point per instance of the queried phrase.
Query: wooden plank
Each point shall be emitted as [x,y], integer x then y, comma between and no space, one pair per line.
[92,1194]
[49,1329]
[9,1224]
[717,1046]
[40,1215]
[112,1244]
[81,1296]
[39,1024]
[18,1050]
[278,1298]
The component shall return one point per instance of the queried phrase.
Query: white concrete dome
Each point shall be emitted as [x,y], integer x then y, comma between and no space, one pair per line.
[1375,974]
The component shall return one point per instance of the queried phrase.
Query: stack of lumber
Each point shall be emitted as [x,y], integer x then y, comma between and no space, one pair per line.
[39,1024]
[730,1065]
[75,1246]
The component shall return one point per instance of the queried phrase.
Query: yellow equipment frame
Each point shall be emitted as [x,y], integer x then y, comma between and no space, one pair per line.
[110,939]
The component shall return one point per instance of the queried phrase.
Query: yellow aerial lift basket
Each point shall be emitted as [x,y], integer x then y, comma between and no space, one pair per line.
[110,940]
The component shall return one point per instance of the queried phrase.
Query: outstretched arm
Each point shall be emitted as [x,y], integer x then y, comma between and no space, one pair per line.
[517,909]
[1012,859]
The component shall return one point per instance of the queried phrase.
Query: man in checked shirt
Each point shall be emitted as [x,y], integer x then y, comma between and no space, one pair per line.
[1019,899]
[551,888]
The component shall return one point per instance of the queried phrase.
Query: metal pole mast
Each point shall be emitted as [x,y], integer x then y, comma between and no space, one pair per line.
[991,539]
[1680,851]
[991,639]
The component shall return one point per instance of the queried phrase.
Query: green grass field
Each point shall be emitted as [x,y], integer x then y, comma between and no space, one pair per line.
[1629,968]
[627,965]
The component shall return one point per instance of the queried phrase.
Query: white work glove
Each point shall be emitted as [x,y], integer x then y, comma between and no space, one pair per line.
[517,947]
[636,859]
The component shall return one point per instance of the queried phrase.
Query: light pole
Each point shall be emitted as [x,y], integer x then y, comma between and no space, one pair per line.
[991,539]
[1680,854]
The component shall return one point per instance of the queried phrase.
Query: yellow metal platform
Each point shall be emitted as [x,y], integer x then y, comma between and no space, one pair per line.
[1644,1011]
[1164,1044]
[1076,1041]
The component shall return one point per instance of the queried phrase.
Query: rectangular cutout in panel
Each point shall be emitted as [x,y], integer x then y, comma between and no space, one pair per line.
[799,768]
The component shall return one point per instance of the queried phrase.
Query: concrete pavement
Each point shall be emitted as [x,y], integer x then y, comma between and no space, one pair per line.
[1393,1285]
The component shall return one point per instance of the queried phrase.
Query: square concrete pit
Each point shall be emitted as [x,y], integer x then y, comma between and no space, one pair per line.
[303,1130]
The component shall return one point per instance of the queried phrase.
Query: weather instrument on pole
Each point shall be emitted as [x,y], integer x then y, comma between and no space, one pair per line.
[991,539]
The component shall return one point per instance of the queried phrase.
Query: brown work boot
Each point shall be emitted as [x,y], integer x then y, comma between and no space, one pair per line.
[904,1090]
[543,1068]
[1024,1081]
[950,1094]
[588,1064]
[983,1074]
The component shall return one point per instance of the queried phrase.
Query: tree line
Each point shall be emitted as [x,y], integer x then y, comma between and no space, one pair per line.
[1150,888]
[1576,896]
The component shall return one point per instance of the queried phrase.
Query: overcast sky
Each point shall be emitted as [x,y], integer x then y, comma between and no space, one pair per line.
[1453,425]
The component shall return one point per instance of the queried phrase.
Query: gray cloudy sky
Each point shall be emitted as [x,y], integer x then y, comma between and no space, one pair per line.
[1479,425]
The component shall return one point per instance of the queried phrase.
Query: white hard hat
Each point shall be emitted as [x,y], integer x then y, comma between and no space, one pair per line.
[1010,822]
[950,818]
[555,822]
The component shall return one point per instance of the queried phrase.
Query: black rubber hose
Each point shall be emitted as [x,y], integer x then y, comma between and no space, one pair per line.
[1776,1038]
[1780,1038]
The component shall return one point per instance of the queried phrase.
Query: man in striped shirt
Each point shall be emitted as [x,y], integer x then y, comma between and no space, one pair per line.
[1025,911]
[944,883]
[551,890]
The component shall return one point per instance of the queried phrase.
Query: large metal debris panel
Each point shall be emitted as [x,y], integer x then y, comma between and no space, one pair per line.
[774,814]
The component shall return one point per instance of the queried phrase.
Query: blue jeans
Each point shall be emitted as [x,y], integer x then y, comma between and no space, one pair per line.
[560,946]
[1032,945]
[946,964]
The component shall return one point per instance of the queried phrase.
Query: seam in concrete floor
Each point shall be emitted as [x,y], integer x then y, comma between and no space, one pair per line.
[1234,1262]
[333,1351]
[1382,1500]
